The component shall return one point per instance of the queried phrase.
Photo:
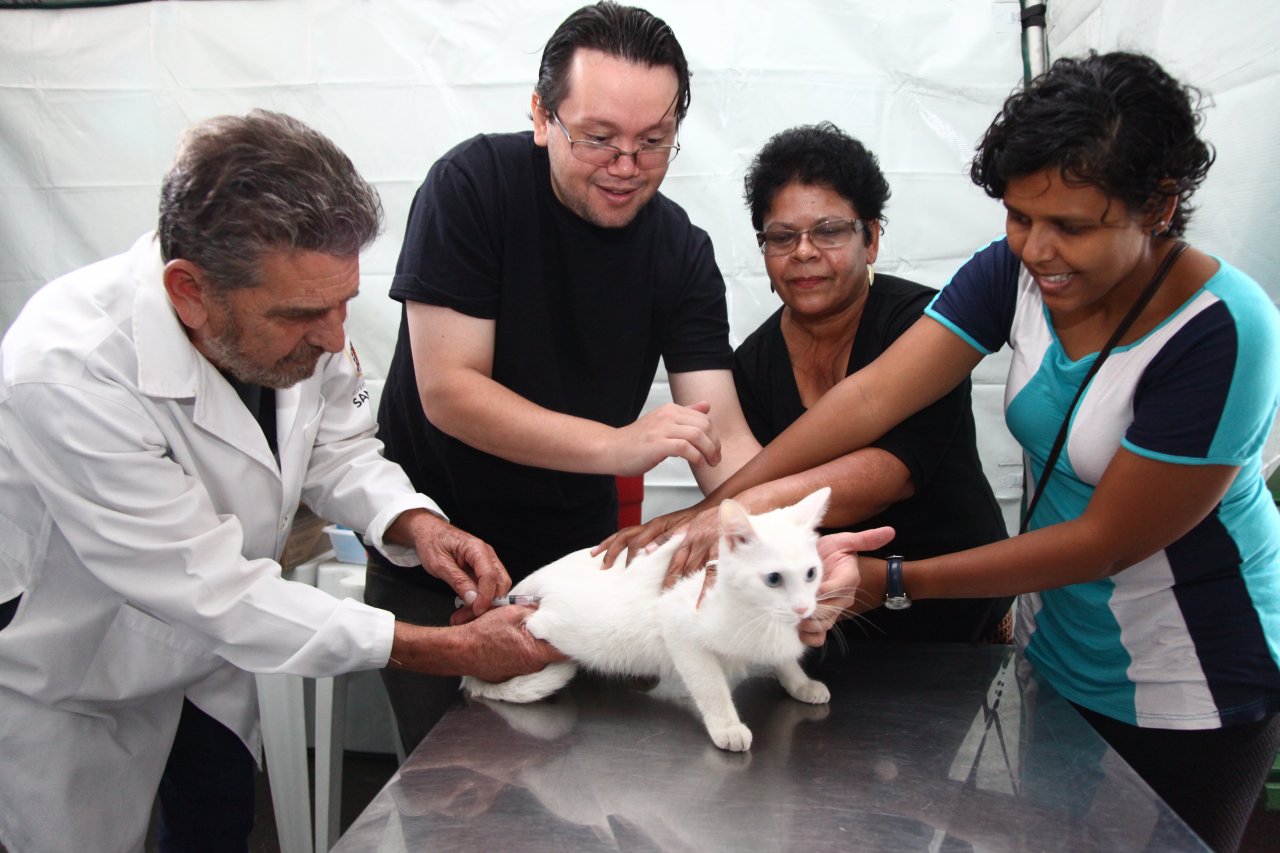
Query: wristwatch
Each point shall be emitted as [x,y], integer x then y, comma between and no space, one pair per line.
[895,597]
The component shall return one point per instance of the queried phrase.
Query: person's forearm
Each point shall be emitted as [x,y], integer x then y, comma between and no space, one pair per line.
[1140,506]
[1031,562]
[1049,558]
[737,443]
[486,415]
[921,366]
[493,647]
[403,531]
[863,484]
[430,651]
[821,434]
[736,451]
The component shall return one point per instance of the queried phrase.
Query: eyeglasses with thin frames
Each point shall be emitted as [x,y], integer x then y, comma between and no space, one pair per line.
[832,234]
[603,154]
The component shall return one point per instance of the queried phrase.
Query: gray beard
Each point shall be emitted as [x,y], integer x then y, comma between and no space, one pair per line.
[285,373]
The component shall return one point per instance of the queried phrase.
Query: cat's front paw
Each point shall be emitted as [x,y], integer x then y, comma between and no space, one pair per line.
[734,737]
[813,692]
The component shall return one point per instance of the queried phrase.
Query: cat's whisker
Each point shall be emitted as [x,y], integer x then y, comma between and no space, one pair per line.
[846,614]
[826,609]
[743,628]
[840,642]
[759,619]
[863,623]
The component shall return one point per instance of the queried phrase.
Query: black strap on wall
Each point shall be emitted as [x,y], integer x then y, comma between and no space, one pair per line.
[63,4]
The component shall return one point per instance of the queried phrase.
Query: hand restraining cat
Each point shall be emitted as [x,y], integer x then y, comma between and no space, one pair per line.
[619,621]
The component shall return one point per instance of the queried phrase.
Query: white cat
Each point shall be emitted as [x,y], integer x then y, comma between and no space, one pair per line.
[620,622]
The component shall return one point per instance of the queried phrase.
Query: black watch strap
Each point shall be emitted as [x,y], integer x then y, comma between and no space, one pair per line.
[895,595]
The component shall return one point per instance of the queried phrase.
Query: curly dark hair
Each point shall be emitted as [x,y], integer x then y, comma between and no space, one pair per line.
[817,154]
[1117,121]
[242,186]
[626,32]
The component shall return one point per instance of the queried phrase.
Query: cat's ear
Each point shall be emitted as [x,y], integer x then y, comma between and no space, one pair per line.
[735,524]
[810,510]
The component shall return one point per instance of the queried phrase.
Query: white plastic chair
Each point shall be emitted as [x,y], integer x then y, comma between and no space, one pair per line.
[282,711]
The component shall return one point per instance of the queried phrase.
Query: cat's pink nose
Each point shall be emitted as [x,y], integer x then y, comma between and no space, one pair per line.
[802,610]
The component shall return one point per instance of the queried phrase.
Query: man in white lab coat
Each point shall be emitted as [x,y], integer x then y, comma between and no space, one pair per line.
[162,414]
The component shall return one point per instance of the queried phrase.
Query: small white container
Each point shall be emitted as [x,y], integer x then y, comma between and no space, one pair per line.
[346,547]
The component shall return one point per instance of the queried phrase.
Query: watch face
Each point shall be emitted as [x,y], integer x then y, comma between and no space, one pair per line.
[897,602]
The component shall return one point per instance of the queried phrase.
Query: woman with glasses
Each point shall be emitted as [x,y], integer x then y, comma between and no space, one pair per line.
[817,197]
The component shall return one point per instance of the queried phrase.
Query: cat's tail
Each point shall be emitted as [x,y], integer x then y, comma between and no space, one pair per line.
[523,688]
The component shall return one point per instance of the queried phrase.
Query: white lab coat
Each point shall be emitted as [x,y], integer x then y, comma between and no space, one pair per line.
[141,517]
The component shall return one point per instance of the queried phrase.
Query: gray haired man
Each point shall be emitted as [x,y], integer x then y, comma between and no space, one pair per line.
[162,415]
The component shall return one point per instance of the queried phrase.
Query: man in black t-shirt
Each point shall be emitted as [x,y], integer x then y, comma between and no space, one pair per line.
[543,277]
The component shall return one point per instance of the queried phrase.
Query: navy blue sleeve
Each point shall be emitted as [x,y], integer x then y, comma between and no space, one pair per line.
[1180,399]
[1210,395]
[978,303]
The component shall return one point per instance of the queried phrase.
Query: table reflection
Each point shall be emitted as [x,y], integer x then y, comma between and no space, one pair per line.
[921,748]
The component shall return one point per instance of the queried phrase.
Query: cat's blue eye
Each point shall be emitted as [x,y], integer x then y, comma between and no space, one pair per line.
[811,574]
[773,579]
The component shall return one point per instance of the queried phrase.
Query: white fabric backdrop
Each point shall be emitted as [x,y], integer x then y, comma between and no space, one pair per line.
[92,102]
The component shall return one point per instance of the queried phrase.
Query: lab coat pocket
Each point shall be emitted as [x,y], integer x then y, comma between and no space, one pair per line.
[140,656]
[301,434]
[311,428]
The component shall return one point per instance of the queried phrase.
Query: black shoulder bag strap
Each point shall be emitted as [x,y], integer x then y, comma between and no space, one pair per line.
[1138,305]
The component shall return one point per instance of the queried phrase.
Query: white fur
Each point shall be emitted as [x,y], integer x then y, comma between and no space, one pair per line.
[620,622]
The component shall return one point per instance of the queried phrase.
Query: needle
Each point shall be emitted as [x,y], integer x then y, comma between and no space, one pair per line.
[503,600]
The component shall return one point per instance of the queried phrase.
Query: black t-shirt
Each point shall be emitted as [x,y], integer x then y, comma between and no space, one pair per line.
[953,507]
[582,316]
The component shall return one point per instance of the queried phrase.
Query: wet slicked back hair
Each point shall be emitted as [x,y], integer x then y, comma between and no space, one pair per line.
[1117,121]
[626,32]
[816,154]
[242,186]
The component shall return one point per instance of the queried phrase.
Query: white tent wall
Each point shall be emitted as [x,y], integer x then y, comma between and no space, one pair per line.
[1228,51]
[92,102]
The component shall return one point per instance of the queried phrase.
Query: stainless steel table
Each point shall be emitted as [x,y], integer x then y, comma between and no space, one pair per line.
[923,747]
